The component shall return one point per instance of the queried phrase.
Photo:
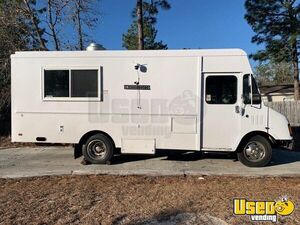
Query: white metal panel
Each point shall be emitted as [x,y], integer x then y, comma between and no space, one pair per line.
[141,146]
[184,125]
[228,64]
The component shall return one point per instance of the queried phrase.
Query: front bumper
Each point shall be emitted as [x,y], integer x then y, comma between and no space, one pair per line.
[286,144]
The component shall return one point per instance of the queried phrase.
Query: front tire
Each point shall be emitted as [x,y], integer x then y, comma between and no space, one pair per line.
[257,152]
[98,149]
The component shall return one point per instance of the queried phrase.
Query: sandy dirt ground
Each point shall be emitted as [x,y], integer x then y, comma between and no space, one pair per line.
[134,199]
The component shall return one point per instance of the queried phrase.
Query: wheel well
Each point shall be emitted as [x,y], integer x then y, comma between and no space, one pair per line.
[85,137]
[255,133]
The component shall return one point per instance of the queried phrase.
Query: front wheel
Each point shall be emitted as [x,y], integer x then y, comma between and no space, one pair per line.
[257,152]
[98,149]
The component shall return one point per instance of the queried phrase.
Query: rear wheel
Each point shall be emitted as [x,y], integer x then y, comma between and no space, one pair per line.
[257,152]
[98,149]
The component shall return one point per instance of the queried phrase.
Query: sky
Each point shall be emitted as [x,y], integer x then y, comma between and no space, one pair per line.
[188,24]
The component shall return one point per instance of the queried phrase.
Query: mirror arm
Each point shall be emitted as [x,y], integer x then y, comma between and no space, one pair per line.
[251,89]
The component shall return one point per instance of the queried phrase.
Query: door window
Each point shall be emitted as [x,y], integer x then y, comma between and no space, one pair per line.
[256,98]
[221,90]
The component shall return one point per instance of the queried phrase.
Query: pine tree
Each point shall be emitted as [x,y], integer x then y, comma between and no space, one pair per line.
[277,26]
[150,11]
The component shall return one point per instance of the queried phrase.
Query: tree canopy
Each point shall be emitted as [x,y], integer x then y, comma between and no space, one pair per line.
[272,73]
[277,26]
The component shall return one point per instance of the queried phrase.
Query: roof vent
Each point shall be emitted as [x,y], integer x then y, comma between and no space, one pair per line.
[94,47]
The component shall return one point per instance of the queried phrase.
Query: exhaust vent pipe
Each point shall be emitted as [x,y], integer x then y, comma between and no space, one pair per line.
[95,47]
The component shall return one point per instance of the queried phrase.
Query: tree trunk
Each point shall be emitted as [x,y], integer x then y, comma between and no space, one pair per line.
[80,31]
[296,72]
[52,26]
[79,24]
[36,27]
[296,81]
[140,24]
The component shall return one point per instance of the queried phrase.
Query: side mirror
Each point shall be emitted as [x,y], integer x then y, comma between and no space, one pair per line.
[256,99]
[255,96]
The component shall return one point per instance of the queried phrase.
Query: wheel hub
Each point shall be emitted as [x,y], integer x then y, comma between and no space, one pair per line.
[97,149]
[254,151]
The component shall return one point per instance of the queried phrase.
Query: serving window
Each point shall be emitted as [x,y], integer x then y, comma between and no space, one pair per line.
[56,83]
[71,84]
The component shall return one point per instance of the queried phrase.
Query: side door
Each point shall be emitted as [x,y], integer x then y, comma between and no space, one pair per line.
[221,116]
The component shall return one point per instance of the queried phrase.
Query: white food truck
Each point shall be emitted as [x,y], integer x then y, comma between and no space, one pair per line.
[140,101]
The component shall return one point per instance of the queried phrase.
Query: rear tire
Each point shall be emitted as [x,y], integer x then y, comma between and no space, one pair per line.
[98,149]
[257,152]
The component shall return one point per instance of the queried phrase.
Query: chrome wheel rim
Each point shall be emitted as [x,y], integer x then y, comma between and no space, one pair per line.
[254,151]
[97,149]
